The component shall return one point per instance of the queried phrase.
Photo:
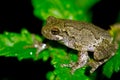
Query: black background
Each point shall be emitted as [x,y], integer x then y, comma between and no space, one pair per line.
[18,14]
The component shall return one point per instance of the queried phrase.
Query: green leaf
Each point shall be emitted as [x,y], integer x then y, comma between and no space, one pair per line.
[59,57]
[113,65]
[18,45]
[73,9]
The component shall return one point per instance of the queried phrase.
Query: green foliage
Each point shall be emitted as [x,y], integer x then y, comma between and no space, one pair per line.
[59,57]
[17,45]
[118,19]
[21,45]
[113,65]
[73,9]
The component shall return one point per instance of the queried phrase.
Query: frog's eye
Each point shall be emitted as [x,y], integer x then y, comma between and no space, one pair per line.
[55,31]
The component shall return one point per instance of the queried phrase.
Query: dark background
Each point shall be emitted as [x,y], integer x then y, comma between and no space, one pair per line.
[18,14]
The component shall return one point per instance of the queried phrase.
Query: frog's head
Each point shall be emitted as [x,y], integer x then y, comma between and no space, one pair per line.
[53,28]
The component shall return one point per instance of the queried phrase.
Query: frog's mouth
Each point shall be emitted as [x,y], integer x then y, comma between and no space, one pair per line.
[64,41]
[59,38]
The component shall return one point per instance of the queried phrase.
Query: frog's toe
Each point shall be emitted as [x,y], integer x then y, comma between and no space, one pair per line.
[74,66]
[92,70]
[68,65]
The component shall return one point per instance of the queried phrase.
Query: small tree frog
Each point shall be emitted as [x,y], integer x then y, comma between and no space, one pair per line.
[83,37]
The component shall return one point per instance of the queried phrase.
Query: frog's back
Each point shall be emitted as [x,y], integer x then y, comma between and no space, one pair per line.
[97,31]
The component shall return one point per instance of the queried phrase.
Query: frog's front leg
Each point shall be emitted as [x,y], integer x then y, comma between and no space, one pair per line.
[103,52]
[82,61]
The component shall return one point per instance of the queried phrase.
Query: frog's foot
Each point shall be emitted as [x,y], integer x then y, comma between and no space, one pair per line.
[82,61]
[40,47]
[76,66]
[95,64]
[71,65]
[37,44]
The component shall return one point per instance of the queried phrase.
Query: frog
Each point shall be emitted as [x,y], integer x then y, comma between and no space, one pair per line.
[84,37]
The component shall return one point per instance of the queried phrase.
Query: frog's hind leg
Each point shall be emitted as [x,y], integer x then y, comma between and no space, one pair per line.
[95,64]
[102,53]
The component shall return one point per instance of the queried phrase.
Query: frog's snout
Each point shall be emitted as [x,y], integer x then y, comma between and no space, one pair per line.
[44,32]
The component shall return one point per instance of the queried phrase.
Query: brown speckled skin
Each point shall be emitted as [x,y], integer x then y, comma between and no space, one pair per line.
[82,37]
